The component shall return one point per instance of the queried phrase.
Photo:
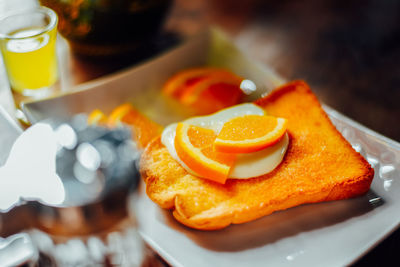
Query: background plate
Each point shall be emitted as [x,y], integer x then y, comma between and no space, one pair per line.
[329,234]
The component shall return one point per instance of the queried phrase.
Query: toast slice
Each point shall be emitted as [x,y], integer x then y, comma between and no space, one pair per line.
[320,165]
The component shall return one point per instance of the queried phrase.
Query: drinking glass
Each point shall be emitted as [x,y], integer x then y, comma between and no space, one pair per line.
[28,46]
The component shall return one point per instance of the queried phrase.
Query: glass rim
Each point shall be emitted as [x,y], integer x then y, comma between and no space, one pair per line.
[51,14]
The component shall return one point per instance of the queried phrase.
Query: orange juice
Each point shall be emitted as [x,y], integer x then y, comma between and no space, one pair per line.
[30,58]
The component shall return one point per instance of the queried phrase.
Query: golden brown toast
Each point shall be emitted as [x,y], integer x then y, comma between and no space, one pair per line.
[320,165]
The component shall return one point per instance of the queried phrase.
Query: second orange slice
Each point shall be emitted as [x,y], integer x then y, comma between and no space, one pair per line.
[250,133]
[176,85]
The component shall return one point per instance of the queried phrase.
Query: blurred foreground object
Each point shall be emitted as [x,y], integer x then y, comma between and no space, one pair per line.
[107,28]
[18,250]
[72,181]
[68,178]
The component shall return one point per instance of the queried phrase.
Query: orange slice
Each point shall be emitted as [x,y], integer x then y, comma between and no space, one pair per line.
[144,129]
[205,90]
[193,92]
[97,117]
[250,133]
[215,92]
[177,84]
[115,118]
[194,146]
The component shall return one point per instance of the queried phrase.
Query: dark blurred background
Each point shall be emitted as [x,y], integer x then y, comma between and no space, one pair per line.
[348,51]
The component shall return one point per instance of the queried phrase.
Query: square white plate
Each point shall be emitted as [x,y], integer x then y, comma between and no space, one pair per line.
[325,234]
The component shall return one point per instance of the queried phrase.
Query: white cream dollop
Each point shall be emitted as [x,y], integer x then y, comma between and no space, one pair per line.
[247,165]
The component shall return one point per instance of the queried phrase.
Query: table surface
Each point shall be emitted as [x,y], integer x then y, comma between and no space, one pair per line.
[348,53]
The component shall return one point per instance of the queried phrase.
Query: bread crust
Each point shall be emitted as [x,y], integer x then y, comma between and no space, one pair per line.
[320,165]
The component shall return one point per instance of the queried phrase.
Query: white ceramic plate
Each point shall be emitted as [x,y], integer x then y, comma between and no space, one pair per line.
[325,234]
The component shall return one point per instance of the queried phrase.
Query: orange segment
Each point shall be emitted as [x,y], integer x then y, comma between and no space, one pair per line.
[144,129]
[250,133]
[97,117]
[194,146]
